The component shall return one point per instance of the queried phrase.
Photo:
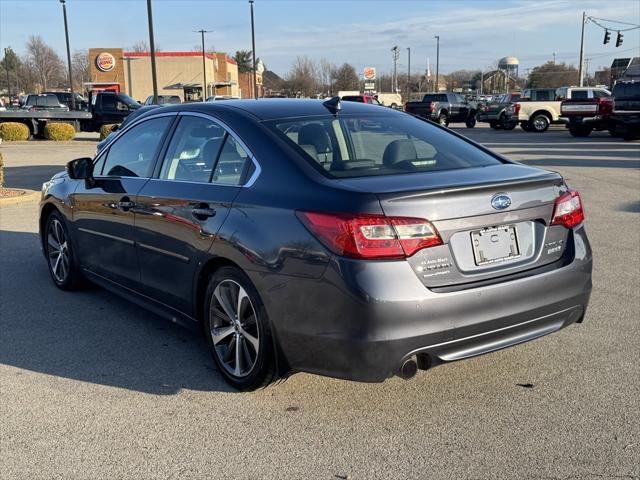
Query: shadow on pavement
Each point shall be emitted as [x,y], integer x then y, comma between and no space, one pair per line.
[92,335]
[31,177]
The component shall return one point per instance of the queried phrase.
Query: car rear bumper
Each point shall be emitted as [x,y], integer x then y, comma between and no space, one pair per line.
[489,117]
[362,320]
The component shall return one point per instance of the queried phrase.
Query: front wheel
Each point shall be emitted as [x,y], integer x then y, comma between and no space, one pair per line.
[443,120]
[471,121]
[526,126]
[237,330]
[495,125]
[509,125]
[60,253]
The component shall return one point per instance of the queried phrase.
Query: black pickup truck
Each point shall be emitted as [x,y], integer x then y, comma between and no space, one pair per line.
[444,108]
[625,120]
[104,108]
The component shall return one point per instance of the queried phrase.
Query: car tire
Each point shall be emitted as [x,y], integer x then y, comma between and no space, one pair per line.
[495,125]
[471,121]
[540,123]
[239,333]
[60,253]
[443,120]
[509,126]
[613,132]
[526,126]
[580,131]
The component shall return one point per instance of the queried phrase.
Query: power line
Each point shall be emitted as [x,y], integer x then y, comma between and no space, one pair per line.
[593,20]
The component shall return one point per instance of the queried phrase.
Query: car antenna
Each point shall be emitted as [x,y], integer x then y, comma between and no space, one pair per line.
[333,105]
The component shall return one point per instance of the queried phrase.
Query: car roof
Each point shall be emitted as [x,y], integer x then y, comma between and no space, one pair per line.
[277,108]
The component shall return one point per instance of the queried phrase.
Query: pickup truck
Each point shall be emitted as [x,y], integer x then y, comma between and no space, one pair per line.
[585,115]
[625,119]
[361,99]
[494,112]
[44,102]
[444,108]
[539,108]
[104,108]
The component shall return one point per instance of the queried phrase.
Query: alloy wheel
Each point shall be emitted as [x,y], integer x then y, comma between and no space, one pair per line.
[58,251]
[234,328]
[540,123]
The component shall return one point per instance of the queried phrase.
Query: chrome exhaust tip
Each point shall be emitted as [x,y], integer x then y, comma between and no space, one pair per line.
[408,369]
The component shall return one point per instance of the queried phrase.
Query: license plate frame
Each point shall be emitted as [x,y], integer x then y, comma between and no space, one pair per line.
[495,244]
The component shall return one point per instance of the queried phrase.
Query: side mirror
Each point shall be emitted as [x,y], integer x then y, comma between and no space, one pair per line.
[81,169]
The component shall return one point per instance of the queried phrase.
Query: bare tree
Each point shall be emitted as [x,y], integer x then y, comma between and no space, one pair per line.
[44,61]
[80,68]
[142,46]
[326,70]
[302,79]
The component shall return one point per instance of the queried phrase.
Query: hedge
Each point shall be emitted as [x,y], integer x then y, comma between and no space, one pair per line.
[105,130]
[1,171]
[59,132]
[14,131]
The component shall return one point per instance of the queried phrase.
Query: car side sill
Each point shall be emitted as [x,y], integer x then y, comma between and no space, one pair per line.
[159,308]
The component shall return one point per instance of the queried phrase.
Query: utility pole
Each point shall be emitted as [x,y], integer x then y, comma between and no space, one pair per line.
[408,72]
[66,34]
[396,55]
[153,53]
[204,66]
[437,37]
[481,82]
[6,66]
[554,57]
[580,73]
[253,54]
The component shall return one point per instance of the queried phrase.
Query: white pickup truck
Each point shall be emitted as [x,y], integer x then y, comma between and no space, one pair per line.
[538,108]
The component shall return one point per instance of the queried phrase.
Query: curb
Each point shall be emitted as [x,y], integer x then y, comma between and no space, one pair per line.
[28,196]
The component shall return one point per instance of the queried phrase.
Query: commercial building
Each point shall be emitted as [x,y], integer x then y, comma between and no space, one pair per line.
[178,73]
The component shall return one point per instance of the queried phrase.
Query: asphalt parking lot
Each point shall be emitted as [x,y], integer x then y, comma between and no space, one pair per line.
[94,387]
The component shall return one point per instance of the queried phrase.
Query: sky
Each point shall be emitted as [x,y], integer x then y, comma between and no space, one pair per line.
[473,33]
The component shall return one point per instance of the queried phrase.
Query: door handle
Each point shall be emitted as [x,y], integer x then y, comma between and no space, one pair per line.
[203,212]
[125,204]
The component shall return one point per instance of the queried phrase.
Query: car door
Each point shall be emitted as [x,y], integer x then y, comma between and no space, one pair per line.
[454,108]
[181,209]
[463,108]
[103,212]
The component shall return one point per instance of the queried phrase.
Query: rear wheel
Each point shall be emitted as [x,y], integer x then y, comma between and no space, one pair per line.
[540,123]
[238,331]
[61,259]
[471,121]
[580,131]
[443,119]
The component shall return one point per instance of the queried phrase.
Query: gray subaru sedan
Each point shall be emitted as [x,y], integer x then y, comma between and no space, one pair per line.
[341,239]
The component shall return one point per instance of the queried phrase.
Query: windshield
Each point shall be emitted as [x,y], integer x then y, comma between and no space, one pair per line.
[436,97]
[128,100]
[359,146]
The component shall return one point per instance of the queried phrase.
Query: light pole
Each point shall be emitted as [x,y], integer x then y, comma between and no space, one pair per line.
[204,66]
[437,37]
[66,34]
[581,61]
[396,55]
[153,53]
[253,53]
[408,71]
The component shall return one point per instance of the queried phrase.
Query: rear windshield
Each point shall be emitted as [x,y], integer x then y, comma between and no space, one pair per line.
[353,98]
[436,97]
[361,146]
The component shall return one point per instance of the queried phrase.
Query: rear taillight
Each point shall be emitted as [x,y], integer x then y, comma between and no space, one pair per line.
[432,107]
[605,105]
[516,109]
[485,108]
[370,236]
[568,210]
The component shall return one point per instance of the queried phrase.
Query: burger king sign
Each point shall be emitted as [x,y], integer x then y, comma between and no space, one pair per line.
[105,62]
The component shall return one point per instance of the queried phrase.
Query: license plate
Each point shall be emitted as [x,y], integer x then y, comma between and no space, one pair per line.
[495,244]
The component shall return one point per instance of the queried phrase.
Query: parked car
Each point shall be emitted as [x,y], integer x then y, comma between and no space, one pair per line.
[130,118]
[539,108]
[216,98]
[393,100]
[625,120]
[583,115]
[361,248]
[362,99]
[43,102]
[444,108]
[163,100]
[64,98]
[494,112]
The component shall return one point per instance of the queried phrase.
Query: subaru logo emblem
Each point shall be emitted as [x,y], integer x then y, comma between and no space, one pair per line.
[500,201]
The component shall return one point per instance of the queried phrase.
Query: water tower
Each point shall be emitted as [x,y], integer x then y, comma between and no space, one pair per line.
[509,65]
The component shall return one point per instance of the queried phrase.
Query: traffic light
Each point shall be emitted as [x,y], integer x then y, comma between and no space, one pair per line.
[607,37]
[619,40]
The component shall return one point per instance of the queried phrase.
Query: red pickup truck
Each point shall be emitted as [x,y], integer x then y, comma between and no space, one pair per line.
[584,116]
